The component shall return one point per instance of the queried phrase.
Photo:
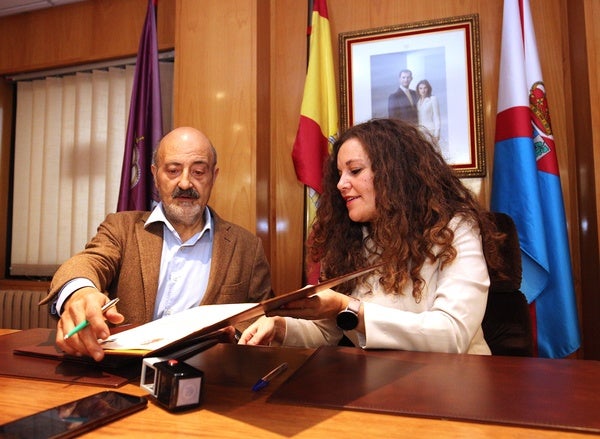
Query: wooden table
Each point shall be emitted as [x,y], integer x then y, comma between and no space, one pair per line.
[236,412]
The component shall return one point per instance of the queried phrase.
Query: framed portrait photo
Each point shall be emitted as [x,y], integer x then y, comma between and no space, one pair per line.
[428,73]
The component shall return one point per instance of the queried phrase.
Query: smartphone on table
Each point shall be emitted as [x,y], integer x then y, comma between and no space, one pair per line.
[74,418]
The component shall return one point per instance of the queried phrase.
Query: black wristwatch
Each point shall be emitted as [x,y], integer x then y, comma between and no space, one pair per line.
[348,318]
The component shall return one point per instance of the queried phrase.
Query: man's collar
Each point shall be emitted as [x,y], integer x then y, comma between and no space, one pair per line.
[158,215]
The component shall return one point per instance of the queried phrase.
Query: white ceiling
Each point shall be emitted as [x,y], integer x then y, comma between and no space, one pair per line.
[11,7]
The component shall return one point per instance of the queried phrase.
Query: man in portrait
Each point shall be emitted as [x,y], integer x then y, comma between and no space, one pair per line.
[402,104]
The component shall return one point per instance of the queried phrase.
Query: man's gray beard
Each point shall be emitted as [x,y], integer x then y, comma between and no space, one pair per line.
[183,215]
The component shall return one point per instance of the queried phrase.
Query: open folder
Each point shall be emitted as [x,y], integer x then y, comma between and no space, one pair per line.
[200,323]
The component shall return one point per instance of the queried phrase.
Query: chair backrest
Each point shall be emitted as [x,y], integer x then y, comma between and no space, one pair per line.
[507,323]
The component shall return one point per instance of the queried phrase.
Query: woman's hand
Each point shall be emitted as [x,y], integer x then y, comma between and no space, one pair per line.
[271,328]
[324,305]
[264,331]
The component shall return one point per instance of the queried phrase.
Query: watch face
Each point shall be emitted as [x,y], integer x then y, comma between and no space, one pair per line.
[347,320]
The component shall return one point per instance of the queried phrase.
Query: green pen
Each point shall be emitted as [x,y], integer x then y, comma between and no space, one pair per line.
[85,323]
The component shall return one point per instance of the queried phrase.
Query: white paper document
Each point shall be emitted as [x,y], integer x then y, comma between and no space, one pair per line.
[158,333]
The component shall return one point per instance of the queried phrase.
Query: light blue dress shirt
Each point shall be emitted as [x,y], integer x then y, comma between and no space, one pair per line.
[184,267]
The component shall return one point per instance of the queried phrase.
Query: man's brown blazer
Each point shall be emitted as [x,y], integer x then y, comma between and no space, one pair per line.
[123,260]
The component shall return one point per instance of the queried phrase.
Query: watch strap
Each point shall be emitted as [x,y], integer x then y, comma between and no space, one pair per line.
[353,305]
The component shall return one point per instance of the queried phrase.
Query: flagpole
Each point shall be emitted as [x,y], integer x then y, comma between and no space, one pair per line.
[307,189]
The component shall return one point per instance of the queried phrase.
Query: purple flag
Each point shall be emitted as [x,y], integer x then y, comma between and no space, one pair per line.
[144,128]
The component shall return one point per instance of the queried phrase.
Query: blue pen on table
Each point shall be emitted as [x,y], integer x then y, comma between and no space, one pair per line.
[85,323]
[264,381]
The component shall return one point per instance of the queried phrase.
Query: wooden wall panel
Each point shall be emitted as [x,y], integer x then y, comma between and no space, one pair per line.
[215,91]
[583,84]
[592,18]
[288,71]
[79,33]
[591,293]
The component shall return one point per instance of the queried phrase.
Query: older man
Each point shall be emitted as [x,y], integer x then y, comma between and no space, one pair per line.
[180,255]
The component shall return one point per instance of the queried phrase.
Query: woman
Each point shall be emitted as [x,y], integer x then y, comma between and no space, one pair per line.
[389,198]
[429,110]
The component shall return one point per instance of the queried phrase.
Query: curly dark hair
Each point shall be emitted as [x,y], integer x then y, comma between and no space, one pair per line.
[417,195]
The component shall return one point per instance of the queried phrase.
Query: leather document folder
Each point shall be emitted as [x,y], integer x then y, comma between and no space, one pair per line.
[172,333]
[535,392]
[44,361]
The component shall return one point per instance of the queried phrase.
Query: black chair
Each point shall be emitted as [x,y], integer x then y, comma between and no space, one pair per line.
[507,323]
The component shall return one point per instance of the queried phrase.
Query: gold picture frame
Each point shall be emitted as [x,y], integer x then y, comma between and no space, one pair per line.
[446,53]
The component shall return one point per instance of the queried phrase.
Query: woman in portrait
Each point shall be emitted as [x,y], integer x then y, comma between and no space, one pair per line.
[429,110]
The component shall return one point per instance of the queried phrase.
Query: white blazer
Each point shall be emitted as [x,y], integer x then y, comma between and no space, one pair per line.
[447,319]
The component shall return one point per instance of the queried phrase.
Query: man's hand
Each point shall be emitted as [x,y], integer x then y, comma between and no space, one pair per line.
[86,304]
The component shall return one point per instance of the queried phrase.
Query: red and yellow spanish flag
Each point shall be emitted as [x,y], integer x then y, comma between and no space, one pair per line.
[318,116]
